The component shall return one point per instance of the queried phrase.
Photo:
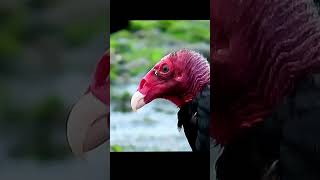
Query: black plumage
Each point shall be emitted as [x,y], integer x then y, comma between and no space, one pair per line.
[194,117]
[300,141]
[253,155]
[290,137]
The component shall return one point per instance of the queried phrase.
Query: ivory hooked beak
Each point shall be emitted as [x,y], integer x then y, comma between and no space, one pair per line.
[87,125]
[137,101]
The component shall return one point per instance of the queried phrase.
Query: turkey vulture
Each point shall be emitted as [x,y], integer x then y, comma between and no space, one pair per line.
[266,56]
[88,121]
[182,77]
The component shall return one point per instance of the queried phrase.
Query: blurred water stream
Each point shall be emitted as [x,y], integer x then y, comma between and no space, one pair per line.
[152,128]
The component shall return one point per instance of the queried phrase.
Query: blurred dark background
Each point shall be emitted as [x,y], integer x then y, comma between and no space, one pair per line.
[48,51]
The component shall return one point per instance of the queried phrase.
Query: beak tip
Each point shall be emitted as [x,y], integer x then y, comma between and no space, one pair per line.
[137,101]
[133,105]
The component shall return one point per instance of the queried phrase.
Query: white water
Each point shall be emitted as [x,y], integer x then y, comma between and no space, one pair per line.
[152,128]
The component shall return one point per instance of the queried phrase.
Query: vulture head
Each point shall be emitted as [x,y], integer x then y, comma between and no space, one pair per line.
[260,50]
[88,122]
[177,77]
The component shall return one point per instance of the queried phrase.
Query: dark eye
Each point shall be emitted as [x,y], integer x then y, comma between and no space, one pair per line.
[165,69]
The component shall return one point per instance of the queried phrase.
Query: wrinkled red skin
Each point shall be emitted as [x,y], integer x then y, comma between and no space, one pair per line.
[188,72]
[250,78]
[100,84]
[165,85]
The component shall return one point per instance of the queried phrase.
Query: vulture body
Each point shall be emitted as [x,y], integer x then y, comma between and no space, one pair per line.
[266,56]
[194,117]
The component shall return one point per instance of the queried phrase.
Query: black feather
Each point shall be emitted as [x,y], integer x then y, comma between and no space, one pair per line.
[194,117]
[300,145]
[290,136]
[251,155]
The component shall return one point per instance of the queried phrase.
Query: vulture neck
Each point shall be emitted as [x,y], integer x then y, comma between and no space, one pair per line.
[196,83]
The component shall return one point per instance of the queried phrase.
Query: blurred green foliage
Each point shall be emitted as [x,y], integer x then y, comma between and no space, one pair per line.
[76,34]
[37,127]
[116,148]
[40,4]
[22,24]
[12,26]
[30,31]
[188,31]
[122,100]
[144,43]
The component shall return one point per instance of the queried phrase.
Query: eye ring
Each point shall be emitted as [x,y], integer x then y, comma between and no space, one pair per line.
[165,68]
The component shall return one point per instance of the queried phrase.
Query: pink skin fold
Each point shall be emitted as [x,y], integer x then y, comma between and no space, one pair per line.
[88,122]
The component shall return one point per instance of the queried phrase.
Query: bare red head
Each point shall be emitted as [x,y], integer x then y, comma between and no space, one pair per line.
[99,86]
[177,77]
[89,122]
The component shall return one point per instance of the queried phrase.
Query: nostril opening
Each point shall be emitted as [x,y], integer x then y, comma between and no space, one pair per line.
[142,83]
